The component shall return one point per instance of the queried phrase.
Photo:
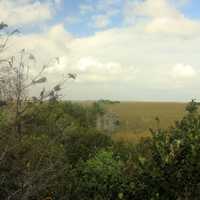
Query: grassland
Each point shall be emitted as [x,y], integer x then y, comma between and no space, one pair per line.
[137,117]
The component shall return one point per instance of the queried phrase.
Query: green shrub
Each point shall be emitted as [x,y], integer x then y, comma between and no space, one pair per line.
[101,177]
[58,117]
[170,169]
[29,168]
[82,144]
[61,155]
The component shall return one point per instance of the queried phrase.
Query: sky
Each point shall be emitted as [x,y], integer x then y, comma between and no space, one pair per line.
[131,50]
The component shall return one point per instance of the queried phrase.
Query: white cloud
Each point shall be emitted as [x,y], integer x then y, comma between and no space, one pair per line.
[161,16]
[128,58]
[155,9]
[183,72]
[179,26]
[26,12]
[132,62]
[181,76]
[101,21]
[47,45]
[92,70]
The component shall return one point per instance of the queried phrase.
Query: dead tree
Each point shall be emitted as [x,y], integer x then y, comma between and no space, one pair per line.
[16,79]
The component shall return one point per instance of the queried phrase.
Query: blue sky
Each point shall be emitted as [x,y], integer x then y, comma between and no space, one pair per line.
[79,23]
[191,9]
[120,49]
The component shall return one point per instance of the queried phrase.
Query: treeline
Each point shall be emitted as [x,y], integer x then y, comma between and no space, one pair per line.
[107,101]
[60,155]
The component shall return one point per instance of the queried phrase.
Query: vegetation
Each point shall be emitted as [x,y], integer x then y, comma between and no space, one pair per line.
[138,117]
[107,101]
[50,149]
[60,155]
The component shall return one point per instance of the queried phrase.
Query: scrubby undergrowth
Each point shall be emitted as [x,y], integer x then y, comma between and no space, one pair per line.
[60,155]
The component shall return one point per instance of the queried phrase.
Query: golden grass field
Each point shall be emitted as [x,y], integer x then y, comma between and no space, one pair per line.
[137,117]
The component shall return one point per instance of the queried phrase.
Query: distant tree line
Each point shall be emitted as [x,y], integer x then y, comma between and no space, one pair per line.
[107,101]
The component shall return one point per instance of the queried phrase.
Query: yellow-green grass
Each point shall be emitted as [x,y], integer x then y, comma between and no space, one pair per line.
[137,117]
[130,137]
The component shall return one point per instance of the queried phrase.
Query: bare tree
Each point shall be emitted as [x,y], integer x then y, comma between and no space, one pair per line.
[16,79]
[4,84]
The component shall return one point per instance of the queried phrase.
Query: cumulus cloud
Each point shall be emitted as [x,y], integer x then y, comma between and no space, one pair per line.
[181,76]
[24,12]
[161,16]
[101,21]
[180,26]
[155,9]
[92,70]
[55,39]
[127,57]
[132,62]
[183,72]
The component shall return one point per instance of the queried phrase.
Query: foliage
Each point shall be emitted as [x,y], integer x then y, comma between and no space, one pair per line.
[58,117]
[81,145]
[170,167]
[42,161]
[29,167]
[101,177]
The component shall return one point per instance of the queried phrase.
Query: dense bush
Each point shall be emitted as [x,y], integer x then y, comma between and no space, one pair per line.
[82,145]
[29,167]
[102,177]
[61,156]
[59,117]
[39,163]
[170,168]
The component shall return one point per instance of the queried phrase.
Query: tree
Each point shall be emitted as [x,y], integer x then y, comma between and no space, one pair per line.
[28,163]
[16,80]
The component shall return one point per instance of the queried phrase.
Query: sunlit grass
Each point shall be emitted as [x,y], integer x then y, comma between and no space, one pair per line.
[130,137]
[138,117]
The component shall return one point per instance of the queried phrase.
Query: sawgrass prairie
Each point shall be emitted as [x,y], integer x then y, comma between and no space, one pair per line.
[137,117]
